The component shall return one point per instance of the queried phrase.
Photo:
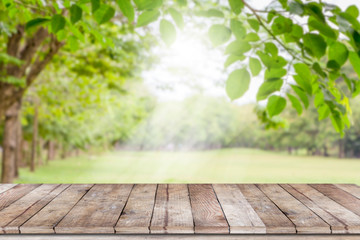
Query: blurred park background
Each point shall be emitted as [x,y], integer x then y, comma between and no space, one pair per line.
[144,112]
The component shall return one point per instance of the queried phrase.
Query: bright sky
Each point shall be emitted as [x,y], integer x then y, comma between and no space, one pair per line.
[190,66]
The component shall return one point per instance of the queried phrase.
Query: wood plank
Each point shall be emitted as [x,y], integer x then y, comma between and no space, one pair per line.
[275,221]
[172,210]
[46,219]
[304,219]
[14,226]
[241,217]
[98,211]
[5,187]
[336,225]
[340,196]
[350,188]
[339,218]
[137,213]
[14,193]
[17,208]
[207,212]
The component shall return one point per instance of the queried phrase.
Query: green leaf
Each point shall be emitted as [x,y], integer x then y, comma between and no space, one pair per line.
[75,13]
[127,9]
[236,6]
[148,5]
[255,66]
[238,48]
[275,105]
[302,95]
[337,121]
[319,99]
[295,103]
[178,18]
[252,37]
[104,14]
[323,111]
[315,44]
[219,34]
[237,28]
[233,58]
[57,23]
[36,22]
[338,52]
[303,77]
[95,4]
[274,73]
[72,43]
[322,28]
[254,24]
[355,62]
[147,17]
[271,48]
[214,13]
[167,32]
[268,87]
[272,62]
[237,83]
[296,8]
[353,11]
[281,25]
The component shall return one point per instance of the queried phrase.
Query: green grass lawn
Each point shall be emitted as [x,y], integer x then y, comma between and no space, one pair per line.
[218,166]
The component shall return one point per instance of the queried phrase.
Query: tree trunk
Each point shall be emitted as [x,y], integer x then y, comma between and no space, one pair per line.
[19,139]
[34,140]
[40,151]
[9,143]
[51,151]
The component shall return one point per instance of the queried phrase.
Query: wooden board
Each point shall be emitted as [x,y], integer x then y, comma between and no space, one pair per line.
[172,210]
[275,221]
[241,217]
[350,188]
[207,212]
[98,211]
[304,219]
[5,187]
[343,198]
[136,216]
[45,220]
[14,193]
[14,226]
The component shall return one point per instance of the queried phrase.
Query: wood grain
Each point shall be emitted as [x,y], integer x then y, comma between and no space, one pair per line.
[17,208]
[340,196]
[136,216]
[45,220]
[207,212]
[98,211]
[336,225]
[14,226]
[241,217]
[304,219]
[274,220]
[350,188]
[13,194]
[172,210]
[5,187]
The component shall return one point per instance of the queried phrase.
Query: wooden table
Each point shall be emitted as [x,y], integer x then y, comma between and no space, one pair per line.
[155,211]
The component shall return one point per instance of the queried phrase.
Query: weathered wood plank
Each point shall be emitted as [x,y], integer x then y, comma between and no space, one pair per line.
[275,221]
[17,208]
[5,187]
[340,196]
[45,220]
[207,212]
[14,226]
[13,194]
[350,188]
[137,213]
[345,216]
[98,211]
[172,210]
[304,219]
[336,225]
[239,214]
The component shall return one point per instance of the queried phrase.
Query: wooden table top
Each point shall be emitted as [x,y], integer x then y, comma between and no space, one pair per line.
[180,208]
